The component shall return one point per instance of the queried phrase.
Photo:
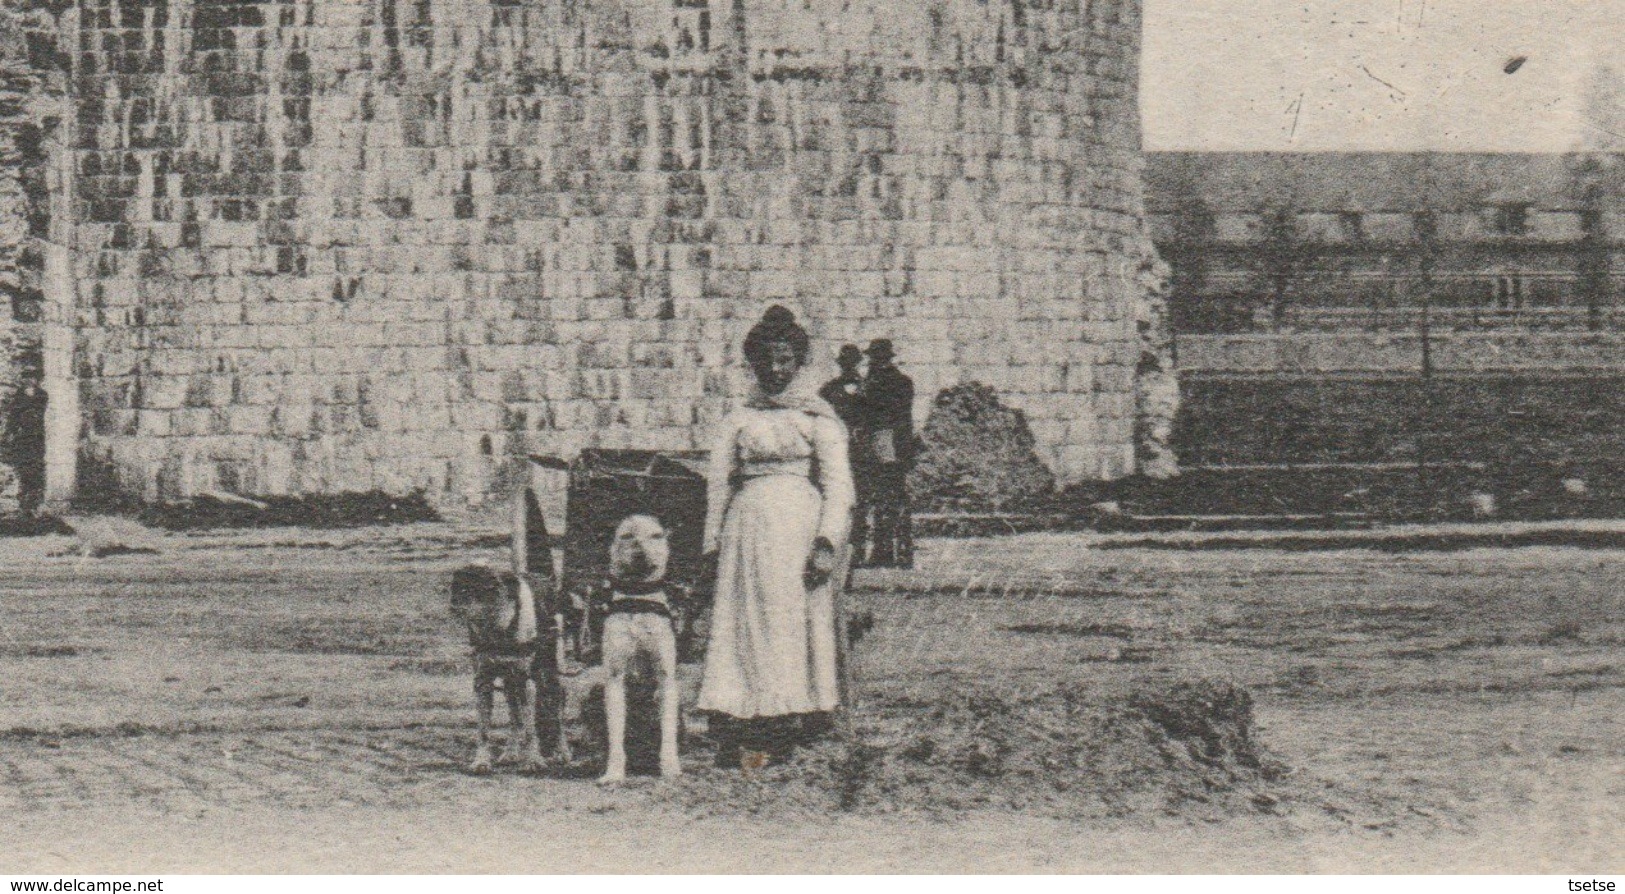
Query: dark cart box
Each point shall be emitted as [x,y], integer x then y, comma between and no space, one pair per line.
[604,487]
[608,485]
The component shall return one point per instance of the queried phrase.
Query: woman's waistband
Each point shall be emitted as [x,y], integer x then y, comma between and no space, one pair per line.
[799,468]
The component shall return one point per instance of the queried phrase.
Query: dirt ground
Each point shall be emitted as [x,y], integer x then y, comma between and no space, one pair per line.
[287,700]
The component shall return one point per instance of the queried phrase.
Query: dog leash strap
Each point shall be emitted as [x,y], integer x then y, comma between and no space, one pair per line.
[635,606]
[635,588]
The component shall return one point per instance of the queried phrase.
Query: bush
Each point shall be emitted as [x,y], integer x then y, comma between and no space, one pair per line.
[978,455]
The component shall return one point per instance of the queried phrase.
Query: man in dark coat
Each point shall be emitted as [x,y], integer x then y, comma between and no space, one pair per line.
[889,394]
[845,394]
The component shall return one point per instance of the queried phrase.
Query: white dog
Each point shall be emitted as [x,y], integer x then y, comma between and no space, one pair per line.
[638,630]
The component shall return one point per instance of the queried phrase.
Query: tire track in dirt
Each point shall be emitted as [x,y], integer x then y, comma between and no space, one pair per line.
[12,794]
[44,782]
[390,779]
[302,778]
[116,773]
[346,767]
[72,782]
[209,781]
[403,768]
[100,771]
[301,768]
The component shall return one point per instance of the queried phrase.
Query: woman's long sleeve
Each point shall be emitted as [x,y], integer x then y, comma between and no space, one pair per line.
[719,482]
[834,480]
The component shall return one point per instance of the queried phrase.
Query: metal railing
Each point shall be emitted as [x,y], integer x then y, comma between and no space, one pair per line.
[1242,318]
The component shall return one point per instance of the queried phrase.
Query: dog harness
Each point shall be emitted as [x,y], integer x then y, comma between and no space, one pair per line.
[632,606]
[511,651]
[632,598]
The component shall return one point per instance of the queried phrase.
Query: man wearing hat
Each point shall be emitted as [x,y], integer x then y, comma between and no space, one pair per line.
[889,394]
[845,394]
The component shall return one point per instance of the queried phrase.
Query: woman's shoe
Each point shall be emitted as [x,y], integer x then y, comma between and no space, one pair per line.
[751,761]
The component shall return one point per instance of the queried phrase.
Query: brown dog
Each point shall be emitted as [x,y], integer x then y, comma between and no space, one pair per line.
[499,610]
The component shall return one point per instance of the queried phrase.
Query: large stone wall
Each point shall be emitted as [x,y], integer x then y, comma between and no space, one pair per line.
[327,245]
[27,88]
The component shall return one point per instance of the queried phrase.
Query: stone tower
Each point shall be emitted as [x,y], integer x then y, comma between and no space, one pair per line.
[304,246]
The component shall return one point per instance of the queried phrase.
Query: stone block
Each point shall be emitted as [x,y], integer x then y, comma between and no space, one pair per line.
[249,420]
[163,392]
[292,420]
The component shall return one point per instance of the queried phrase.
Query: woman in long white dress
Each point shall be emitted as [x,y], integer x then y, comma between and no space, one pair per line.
[780,498]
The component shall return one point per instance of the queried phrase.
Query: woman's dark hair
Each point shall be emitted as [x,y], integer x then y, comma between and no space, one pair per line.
[778,324]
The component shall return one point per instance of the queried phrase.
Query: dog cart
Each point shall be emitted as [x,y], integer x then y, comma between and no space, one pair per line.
[564,523]
[599,489]
[567,518]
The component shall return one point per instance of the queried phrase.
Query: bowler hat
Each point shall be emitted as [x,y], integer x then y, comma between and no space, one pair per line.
[881,349]
[849,355]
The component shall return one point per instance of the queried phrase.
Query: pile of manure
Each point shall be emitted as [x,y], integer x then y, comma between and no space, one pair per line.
[1183,749]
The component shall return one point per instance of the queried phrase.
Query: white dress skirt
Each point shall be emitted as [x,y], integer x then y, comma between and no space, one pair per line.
[779,481]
